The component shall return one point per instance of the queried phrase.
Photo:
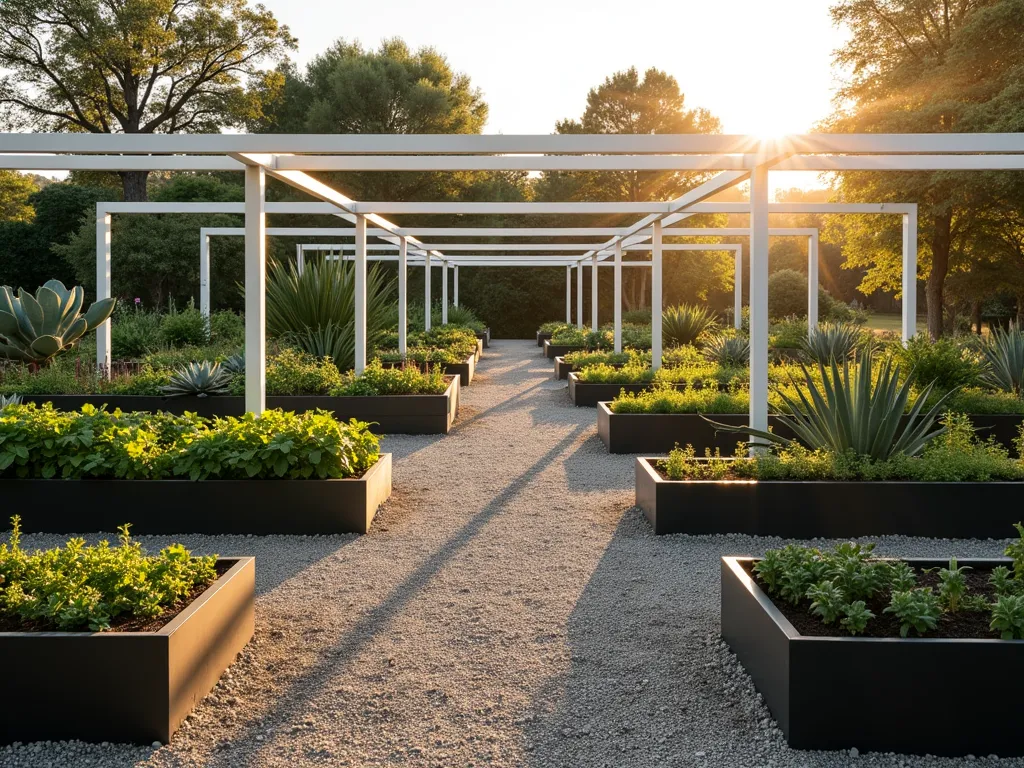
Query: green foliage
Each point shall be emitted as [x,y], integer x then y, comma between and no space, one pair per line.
[291,372]
[827,601]
[462,317]
[1002,582]
[78,587]
[315,310]
[1015,550]
[41,442]
[16,189]
[637,317]
[685,324]
[788,333]
[856,617]
[184,328]
[682,462]
[944,363]
[832,342]
[731,351]
[227,327]
[199,379]
[552,326]
[6,400]
[918,609]
[1004,360]
[671,400]
[585,358]
[34,329]
[901,577]
[406,380]
[1008,617]
[134,333]
[787,294]
[953,585]
[862,416]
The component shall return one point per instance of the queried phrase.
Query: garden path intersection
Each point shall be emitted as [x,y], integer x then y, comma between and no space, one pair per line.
[509,607]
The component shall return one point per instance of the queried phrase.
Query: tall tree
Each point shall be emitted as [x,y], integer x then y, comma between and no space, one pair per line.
[136,66]
[627,102]
[15,190]
[925,66]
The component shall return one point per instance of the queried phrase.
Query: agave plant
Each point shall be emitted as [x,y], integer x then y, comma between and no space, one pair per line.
[318,305]
[685,323]
[831,341]
[6,400]
[1004,360]
[234,364]
[842,415]
[727,351]
[35,328]
[201,379]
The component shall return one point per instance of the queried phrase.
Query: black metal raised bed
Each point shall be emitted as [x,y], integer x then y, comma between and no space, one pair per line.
[933,696]
[125,686]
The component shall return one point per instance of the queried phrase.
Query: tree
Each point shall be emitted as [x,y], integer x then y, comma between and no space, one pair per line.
[15,190]
[925,66]
[348,89]
[628,103]
[136,66]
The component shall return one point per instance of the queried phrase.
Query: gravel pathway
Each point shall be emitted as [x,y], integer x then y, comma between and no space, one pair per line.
[508,608]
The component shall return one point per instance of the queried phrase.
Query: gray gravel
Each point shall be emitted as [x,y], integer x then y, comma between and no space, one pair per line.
[509,608]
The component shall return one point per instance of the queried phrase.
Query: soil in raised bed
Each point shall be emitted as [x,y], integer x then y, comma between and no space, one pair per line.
[122,623]
[963,624]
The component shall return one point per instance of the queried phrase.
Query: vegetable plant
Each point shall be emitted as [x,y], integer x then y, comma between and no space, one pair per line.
[1008,617]
[916,609]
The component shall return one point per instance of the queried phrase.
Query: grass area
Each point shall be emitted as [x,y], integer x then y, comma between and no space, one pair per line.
[892,322]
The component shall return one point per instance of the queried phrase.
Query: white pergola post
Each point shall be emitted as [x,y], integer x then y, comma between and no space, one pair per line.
[759,299]
[455,285]
[204,276]
[300,258]
[426,291]
[360,291]
[568,295]
[656,267]
[909,275]
[444,293]
[255,290]
[737,292]
[617,315]
[579,294]
[593,293]
[812,284]
[103,225]
[403,296]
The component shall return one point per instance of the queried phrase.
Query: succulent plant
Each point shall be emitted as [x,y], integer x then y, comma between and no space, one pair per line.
[684,324]
[35,328]
[6,400]
[201,379]
[1004,360]
[832,341]
[234,364]
[727,350]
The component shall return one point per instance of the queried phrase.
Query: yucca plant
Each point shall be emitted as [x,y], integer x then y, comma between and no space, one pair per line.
[685,323]
[861,415]
[463,317]
[727,351]
[200,379]
[34,329]
[6,400]
[831,341]
[315,310]
[1004,360]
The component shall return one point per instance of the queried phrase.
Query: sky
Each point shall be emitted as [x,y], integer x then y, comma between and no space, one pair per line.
[762,67]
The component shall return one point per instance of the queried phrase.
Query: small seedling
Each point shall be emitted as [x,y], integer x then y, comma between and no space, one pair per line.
[916,609]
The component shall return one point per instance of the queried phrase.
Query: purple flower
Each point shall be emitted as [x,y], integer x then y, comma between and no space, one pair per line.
[138,300]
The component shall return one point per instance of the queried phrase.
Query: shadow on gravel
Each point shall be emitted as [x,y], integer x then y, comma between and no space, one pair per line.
[336,658]
[640,688]
[591,468]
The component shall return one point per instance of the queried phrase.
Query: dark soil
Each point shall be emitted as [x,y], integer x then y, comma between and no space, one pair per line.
[963,624]
[123,623]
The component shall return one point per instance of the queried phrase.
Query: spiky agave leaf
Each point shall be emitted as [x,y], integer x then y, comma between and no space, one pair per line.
[684,324]
[200,379]
[1004,359]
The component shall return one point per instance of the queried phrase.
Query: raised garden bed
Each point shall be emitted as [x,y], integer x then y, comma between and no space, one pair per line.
[563,369]
[934,696]
[586,395]
[464,370]
[260,507]
[542,337]
[551,351]
[826,508]
[125,686]
[660,432]
[388,414]
[485,337]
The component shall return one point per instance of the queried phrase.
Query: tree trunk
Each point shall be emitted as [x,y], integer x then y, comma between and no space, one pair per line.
[976,316]
[1020,310]
[134,186]
[941,241]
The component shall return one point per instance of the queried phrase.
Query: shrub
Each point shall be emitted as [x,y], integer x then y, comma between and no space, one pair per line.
[461,317]
[637,317]
[42,442]
[1004,360]
[78,587]
[184,328]
[790,333]
[943,362]
[135,333]
[377,380]
[684,354]
[291,372]
[787,294]
[635,336]
[227,328]
[685,324]
[552,326]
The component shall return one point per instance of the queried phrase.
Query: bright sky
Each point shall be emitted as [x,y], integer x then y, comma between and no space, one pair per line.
[761,67]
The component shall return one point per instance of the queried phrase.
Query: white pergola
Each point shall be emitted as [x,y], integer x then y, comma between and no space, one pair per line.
[737,159]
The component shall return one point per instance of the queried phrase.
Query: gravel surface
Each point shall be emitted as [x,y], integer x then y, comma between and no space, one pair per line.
[509,608]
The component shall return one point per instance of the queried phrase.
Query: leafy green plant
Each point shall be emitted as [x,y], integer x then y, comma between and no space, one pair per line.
[6,400]
[901,577]
[79,587]
[462,317]
[1002,582]
[831,342]
[291,372]
[551,326]
[34,329]
[670,400]
[944,363]
[788,333]
[637,317]
[685,324]
[1015,550]
[184,328]
[200,379]
[918,609]
[727,350]
[861,416]
[227,327]
[953,585]
[377,380]
[1008,617]
[827,601]
[134,333]
[1004,360]
[856,617]
[683,462]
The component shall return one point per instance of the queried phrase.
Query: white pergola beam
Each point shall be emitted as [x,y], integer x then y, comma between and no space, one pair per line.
[255,291]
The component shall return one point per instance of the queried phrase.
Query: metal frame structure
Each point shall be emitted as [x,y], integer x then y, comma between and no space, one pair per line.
[737,158]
